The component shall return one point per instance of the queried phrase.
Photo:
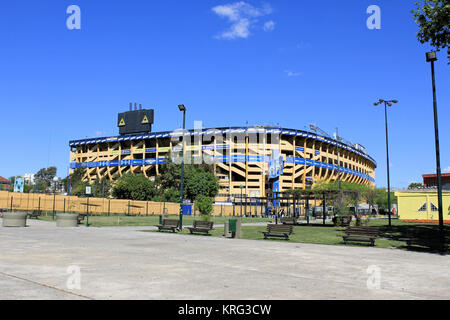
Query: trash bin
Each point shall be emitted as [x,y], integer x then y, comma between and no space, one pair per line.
[232,225]
[230,228]
[186,209]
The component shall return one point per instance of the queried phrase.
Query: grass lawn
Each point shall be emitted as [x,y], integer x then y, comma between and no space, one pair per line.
[123,221]
[302,234]
[330,235]
[313,233]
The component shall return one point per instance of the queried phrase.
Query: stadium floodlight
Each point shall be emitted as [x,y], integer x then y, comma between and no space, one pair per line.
[386,104]
[183,109]
[431,57]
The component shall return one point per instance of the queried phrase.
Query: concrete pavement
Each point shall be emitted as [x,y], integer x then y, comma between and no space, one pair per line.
[42,262]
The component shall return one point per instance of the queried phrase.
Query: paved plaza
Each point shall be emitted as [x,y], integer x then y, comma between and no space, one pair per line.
[42,262]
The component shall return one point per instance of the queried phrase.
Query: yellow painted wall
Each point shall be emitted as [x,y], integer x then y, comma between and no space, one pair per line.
[410,202]
[45,202]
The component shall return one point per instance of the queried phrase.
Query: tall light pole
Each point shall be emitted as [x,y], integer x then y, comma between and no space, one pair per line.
[183,109]
[241,186]
[341,200]
[338,162]
[386,104]
[55,180]
[431,57]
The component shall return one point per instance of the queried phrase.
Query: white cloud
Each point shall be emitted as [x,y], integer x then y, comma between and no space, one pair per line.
[446,170]
[240,29]
[269,26]
[292,73]
[242,17]
[99,133]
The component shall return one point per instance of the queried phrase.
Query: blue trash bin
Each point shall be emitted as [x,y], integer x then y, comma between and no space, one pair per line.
[186,209]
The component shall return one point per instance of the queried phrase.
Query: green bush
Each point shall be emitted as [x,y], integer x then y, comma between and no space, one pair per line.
[205,206]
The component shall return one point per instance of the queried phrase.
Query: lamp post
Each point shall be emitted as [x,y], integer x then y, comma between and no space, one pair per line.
[183,109]
[386,104]
[341,200]
[338,162]
[55,180]
[431,57]
[68,181]
[241,186]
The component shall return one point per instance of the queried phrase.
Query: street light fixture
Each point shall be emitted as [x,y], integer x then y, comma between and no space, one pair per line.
[431,57]
[183,109]
[386,104]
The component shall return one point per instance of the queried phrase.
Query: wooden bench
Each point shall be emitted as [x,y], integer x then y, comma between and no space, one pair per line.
[360,234]
[431,243]
[34,214]
[81,217]
[424,238]
[278,230]
[201,226]
[169,224]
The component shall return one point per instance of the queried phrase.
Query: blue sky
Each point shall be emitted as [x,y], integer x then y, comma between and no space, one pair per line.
[286,62]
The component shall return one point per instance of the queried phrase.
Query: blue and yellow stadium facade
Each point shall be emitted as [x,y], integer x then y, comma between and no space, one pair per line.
[243,158]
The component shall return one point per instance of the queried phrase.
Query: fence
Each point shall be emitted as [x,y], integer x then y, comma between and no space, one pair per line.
[104,206]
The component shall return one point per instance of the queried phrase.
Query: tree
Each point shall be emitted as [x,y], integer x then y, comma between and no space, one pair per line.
[370,196]
[168,195]
[199,178]
[79,189]
[75,179]
[194,176]
[415,185]
[381,199]
[44,178]
[134,187]
[433,19]
[102,187]
[166,187]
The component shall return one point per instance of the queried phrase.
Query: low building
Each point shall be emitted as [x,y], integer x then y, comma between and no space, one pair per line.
[29,178]
[4,184]
[421,205]
[430,180]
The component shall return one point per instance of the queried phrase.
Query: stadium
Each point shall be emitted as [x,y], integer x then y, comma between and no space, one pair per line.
[253,161]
